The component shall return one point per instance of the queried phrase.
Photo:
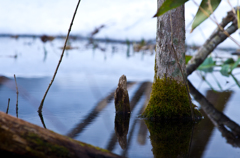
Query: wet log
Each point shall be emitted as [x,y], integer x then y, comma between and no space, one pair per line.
[23,139]
[121,96]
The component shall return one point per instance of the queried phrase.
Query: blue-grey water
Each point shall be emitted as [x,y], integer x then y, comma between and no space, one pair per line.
[86,76]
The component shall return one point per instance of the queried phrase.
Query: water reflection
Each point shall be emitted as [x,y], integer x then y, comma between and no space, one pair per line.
[170,138]
[121,128]
[77,114]
[42,120]
[229,129]
[142,134]
[93,114]
[204,130]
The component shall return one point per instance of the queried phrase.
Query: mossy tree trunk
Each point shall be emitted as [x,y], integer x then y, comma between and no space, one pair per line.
[169,97]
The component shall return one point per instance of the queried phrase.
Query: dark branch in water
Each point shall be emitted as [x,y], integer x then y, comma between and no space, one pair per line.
[42,120]
[220,120]
[17,95]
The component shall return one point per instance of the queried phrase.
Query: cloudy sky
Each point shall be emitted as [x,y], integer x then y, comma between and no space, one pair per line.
[123,19]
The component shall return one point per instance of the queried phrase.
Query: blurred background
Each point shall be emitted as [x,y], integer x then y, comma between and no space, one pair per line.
[108,39]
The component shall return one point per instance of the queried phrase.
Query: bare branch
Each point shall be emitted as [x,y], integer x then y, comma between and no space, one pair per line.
[213,41]
[55,73]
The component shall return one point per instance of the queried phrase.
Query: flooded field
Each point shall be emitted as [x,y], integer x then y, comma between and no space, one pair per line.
[80,102]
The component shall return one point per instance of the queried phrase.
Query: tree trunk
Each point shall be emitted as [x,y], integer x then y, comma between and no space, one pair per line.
[166,65]
[169,97]
[22,139]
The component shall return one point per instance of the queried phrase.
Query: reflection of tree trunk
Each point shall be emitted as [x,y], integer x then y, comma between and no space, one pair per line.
[22,139]
[121,128]
[221,121]
[93,114]
[170,139]
[203,130]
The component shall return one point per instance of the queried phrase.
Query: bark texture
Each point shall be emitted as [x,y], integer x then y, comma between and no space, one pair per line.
[22,139]
[165,61]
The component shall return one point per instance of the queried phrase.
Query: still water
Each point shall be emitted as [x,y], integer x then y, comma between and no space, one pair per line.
[80,102]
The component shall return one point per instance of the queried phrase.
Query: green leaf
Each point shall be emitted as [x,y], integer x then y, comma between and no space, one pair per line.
[207,65]
[169,5]
[225,70]
[203,15]
[187,58]
[235,64]
[229,61]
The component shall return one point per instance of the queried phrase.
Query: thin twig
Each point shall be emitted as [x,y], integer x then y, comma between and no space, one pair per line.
[55,73]
[184,78]
[17,95]
[8,105]
[220,27]
[211,9]
[233,10]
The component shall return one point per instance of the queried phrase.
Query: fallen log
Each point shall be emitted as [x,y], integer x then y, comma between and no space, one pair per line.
[23,139]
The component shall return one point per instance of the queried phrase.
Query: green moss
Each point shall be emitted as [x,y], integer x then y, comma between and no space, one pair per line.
[5,138]
[170,139]
[89,145]
[41,147]
[169,99]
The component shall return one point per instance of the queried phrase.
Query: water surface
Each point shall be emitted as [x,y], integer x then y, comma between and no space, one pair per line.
[86,79]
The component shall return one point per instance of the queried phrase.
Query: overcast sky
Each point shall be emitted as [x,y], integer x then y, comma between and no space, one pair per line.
[123,19]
